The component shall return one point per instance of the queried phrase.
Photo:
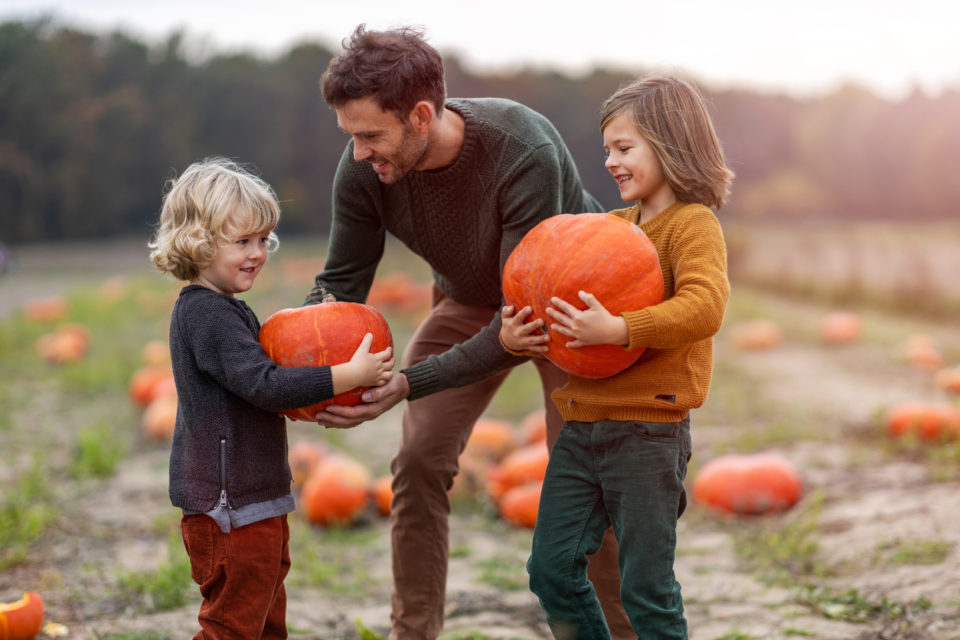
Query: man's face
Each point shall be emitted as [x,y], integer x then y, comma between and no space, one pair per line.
[390,146]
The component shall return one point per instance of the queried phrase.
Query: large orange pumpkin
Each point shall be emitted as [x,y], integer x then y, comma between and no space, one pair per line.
[594,252]
[750,484]
[323,334]
[491,439]
[337,491]
[21,620]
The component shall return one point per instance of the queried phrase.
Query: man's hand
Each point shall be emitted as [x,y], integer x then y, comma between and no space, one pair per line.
[376,401]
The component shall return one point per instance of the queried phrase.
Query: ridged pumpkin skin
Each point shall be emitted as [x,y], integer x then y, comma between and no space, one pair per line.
[323,334]
[23,619]
[594,252]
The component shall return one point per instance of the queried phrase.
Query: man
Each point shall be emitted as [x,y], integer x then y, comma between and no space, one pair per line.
[459,182]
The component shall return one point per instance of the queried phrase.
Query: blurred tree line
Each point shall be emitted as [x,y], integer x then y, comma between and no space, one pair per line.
[92,125]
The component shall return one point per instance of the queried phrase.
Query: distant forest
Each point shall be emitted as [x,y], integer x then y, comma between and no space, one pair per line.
[92,124]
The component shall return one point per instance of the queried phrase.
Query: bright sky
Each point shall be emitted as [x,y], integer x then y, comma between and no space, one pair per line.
[889,46]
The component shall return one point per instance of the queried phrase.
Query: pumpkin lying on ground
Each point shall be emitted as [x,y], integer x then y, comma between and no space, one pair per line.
[491,439]
[21,620]
[382,490]
[150,381]
[928,421]
[841,327]
[752,484]
[323,334]
[159,419]
[519,467]
[68,343]
[756,335]
[520,504]
[599,253]
[304,457]
[337,491]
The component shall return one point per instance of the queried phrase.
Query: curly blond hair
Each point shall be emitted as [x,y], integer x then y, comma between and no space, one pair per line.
[212,202]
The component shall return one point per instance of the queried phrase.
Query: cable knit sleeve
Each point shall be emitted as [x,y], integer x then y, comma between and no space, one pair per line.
[692,249]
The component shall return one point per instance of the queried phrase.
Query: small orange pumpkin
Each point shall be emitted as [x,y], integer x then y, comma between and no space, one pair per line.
[304,457]
[47,309]
[520,504]
[751,484]
[21,620]
[928,421]
[337,491]
[491,439]
[948,379]
[756,335]
[68,343]
[159,419]
[148,382]
[919,350]
[519,467]
[534,426]
[382,491]
[841,327]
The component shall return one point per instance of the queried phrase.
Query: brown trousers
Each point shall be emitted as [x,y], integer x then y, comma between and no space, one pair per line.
[435,431]
[241,577]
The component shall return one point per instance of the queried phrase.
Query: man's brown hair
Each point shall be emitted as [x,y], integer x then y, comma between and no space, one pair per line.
[397,68]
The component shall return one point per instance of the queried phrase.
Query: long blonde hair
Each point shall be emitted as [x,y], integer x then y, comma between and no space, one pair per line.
[213,201]
[671,115]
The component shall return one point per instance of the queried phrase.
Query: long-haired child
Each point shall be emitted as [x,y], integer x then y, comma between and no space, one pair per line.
[622,454]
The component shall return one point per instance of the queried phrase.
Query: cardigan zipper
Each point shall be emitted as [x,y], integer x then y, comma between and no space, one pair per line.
[223,472]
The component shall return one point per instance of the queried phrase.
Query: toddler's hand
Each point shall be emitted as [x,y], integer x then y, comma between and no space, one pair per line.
[372,369]
[593,325]
[519,335]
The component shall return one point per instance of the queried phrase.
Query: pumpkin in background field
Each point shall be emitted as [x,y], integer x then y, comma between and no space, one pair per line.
[948,379]
[520,504]
[594,252]
[756,335]
[148,382]
[337,491]
[841,327]
[382,491]
[304,457]
[928,421]
[534,426]
[21,620]
[490,439]
[323,334]
[752,484]
[69,343]
[519,467]
[159,419]
[47,309]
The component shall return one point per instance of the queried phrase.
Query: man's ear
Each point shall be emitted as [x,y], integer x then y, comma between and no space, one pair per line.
[421,116]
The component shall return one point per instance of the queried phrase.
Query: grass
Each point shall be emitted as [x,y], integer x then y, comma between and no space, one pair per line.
[26,510]
[167,587]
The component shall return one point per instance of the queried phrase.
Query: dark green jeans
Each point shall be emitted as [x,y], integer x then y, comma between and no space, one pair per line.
[628,475]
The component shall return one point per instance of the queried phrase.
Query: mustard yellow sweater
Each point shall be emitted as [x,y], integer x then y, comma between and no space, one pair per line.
[673,374]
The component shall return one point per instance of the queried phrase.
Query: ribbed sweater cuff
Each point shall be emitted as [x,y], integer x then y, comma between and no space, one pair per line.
[641,328]
[524,354]
[423,379]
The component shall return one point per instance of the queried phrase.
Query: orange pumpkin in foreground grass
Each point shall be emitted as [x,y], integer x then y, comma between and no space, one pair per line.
[928,421]
[752,484]
[323,334]
[594,252]
[21,620]
[520,504]
[337,491]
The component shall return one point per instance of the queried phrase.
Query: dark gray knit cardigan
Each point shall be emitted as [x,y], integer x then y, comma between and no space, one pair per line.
[229,434]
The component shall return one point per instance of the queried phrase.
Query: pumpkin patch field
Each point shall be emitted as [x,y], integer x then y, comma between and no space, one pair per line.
[830,446]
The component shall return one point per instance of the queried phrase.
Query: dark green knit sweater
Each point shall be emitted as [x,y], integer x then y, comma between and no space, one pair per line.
[513,171]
